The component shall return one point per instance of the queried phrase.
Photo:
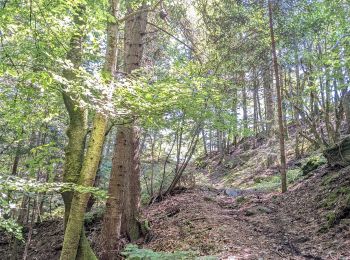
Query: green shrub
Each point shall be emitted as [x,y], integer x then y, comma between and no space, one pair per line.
[132,252]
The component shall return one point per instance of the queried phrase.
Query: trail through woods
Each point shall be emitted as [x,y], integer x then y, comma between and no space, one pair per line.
[251,226]
[247,225]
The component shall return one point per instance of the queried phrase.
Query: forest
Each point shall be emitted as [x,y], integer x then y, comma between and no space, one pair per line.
[186,129]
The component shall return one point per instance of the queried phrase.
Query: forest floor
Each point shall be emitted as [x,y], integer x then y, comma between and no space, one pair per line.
[254,225]
[310,221]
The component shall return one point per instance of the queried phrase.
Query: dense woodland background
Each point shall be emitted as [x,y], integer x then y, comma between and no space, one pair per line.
[132,102]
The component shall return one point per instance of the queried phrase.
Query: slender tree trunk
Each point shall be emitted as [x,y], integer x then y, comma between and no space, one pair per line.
[269,103]
[204,142]
[298,103]
[245,108]
[279,103]
[110,233]
[256,103]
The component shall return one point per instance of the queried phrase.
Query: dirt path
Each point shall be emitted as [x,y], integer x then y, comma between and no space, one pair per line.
[256,226]
[249,226]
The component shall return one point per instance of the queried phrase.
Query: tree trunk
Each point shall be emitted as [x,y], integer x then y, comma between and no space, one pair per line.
[77,168]
[111,227]
[279,104]
[245,108]
[269,103]
[78,123]
[256,103]
[135,27]
[74,227]
[346,108]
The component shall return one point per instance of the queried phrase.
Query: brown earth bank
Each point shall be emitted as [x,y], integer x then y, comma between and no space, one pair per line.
[310,221]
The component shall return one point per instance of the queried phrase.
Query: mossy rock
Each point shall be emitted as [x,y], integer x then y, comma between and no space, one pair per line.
[233,163]
[312,164]
[330,200]
[145,227]
[258,179]
[339,201]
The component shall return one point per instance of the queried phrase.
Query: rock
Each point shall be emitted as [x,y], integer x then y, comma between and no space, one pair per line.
[232,192]
[250,212]
[233,163]
[256,210]
[170,212]
[271,159]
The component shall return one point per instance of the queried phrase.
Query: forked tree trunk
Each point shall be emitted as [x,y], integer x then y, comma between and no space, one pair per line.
[74,228]
[85,168]
[78,124]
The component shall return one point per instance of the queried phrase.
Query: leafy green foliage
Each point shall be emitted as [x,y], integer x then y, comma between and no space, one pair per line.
[8,224]
[15,184]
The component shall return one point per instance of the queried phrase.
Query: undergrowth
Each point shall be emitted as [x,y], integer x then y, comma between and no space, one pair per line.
[274,182]
[133,252]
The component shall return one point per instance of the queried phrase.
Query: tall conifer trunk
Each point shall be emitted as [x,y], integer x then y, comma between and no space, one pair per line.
[279,103]
[135,28]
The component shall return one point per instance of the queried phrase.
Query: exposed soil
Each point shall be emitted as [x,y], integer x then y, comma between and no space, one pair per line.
[258,226]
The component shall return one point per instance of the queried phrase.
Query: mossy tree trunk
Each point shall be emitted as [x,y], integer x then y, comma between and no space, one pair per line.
[339,154]
[74,227]
[78,124]
[82,169]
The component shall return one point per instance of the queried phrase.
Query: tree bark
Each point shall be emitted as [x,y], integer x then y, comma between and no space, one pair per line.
[74,227]
[135,28]
[78,124]
[111,227]
[269,103]
[279,104]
